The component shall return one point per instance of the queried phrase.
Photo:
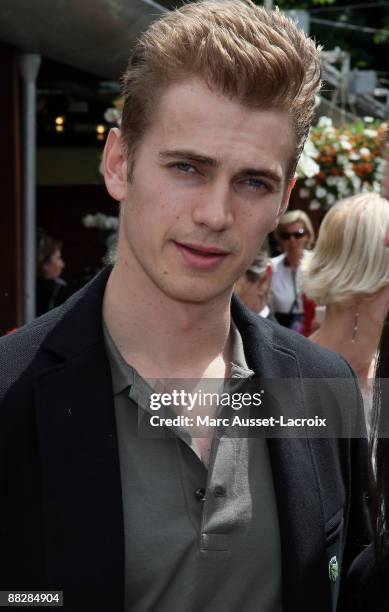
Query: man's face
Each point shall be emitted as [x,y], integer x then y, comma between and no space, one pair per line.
[209,182]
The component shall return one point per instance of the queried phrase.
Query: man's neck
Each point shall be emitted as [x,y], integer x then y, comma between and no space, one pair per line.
[164,338]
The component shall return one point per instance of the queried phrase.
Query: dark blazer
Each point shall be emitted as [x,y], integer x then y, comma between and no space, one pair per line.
[368,583]
[61,523]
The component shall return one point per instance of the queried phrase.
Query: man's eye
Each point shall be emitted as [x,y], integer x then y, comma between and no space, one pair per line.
[256,184]
[183,167]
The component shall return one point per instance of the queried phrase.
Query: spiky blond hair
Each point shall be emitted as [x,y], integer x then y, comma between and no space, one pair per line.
[259,58]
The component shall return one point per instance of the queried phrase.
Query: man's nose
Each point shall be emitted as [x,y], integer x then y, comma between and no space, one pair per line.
[214,207]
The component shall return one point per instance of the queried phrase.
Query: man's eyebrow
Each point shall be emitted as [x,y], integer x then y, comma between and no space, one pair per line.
[214,163]
[190,155]
[262,172]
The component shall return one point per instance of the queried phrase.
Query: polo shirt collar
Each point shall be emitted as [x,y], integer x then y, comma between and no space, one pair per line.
[124,375]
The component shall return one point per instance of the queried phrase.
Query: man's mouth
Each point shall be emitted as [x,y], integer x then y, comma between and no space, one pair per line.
[203,250]
[200,256]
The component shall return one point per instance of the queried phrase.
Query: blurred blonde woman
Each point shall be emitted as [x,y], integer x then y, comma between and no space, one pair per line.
[349,274]
[294,236]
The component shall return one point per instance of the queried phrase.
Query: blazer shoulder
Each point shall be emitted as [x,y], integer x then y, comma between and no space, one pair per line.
[19,348]
[314,360]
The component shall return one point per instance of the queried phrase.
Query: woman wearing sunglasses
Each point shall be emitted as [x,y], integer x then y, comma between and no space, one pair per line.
[294,236]
[348,273]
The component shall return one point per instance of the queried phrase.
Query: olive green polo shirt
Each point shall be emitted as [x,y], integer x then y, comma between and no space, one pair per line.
[196,539]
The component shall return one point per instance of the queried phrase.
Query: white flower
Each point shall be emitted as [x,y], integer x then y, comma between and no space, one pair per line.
[307,166]
[112,115]
[330,199]
[324,122]
[329,130]
[356,182]
[349,172]
[342,185]
[354,157]
[341,160]
[380,170]
[310,149]
[368,119]
[370,133]
[310,182]
[364,152]
[111,223]
[101,221]
[331,181]
[88,221]
[345,144]
[304,193]
[320,192]
[314,205]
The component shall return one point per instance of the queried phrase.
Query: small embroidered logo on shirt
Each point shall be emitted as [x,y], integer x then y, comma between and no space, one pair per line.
[333,569]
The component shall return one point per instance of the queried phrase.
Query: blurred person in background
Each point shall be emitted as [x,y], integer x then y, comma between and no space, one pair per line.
[253,286]
[51,289]
[349,274]
[294,236]
[368,584]
[368,581]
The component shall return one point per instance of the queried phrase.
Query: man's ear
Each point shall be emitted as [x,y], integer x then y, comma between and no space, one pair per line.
[284,202]
[115,166]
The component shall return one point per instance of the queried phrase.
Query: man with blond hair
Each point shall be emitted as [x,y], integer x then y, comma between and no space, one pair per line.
[218,99]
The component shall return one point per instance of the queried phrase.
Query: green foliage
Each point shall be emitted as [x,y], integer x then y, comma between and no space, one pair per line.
[368,50]
[285,4]
[381,38]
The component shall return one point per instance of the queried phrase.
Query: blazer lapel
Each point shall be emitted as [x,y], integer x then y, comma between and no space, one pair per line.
[305,574]
[81,487]
[300,511]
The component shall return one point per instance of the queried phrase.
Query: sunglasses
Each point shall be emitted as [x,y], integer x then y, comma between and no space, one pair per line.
[288,235]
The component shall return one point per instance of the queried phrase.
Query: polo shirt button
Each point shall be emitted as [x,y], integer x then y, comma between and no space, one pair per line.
[219,491]
[200,494]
